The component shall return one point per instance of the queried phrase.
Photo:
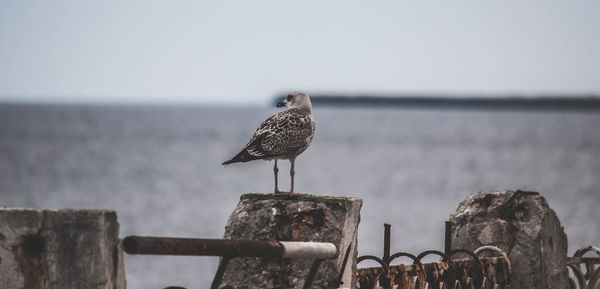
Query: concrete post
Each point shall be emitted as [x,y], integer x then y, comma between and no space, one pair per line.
[523,225]
[62,249]
[293,218]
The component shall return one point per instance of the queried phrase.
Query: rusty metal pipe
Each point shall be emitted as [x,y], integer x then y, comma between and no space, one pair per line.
[201,247]
[227,248]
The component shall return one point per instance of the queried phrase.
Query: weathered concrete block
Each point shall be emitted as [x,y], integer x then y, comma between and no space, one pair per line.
[62,249]
[292,218]
[523,225]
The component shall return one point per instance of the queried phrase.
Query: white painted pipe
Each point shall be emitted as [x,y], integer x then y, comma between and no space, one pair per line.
[308,250]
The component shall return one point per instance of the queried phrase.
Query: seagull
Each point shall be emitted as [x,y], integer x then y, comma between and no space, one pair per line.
[282,136]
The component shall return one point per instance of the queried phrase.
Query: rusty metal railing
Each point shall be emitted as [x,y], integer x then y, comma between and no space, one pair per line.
[474,272]
[591,278]
[228,249]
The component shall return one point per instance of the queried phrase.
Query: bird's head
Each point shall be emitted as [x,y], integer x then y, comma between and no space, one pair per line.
[296,99]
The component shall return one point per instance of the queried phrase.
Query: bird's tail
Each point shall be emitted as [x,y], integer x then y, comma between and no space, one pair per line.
[245,156]
[242,156]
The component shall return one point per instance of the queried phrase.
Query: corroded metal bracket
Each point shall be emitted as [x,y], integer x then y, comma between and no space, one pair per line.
[474,272]
[591,278]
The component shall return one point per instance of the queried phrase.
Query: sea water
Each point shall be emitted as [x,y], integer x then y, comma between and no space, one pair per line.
[160,169]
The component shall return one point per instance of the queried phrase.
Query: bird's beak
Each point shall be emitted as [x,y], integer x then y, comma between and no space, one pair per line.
[281,103]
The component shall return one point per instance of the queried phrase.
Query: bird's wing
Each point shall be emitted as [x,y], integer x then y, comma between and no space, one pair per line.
[288,132]
[285,133]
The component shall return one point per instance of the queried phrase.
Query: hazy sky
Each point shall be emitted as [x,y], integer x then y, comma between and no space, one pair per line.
[247,51]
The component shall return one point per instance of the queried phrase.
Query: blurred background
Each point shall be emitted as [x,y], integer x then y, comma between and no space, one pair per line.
[132,106]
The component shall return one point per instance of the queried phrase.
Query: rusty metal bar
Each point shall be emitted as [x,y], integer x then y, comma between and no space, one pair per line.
[386,243]
[344,263]
[219,275]
[312,274]
[386,284]
[227,248]
[575,260]
[201,247]
[448,238]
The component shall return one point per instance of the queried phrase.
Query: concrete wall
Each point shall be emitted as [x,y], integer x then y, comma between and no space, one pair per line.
[62,249]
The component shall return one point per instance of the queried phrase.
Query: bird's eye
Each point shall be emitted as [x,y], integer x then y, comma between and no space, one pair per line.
[289,98]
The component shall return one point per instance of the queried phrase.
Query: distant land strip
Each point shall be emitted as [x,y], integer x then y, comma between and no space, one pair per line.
[487,103]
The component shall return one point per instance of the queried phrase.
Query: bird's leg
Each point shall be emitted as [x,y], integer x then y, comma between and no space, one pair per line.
[292,173]
[275,171]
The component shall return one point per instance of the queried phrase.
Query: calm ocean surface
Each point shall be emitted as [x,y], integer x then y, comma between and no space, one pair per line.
[159,168]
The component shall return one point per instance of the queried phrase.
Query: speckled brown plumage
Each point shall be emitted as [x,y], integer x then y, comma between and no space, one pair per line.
[282,136]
